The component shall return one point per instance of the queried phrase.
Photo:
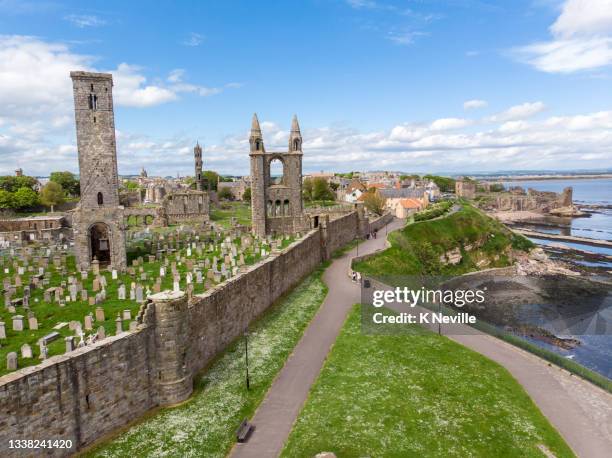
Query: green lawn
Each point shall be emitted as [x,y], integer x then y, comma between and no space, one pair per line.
[416,248]
[223,215]
[206,424]
[417,395]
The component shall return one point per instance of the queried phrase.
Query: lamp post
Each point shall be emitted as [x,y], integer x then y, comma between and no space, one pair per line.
[246,356]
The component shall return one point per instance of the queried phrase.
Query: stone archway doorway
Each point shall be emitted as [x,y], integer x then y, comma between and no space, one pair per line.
[99,240]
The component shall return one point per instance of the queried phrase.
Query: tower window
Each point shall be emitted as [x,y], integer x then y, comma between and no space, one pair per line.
[256,145]
[100,199]
[94,119]
[92,88]
[296,144]
[93,102]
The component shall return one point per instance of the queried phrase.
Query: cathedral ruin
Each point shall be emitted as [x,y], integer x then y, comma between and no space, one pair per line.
[276,202]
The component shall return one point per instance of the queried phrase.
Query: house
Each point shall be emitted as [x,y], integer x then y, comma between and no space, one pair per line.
[354,191]
[402,208]
[403,202]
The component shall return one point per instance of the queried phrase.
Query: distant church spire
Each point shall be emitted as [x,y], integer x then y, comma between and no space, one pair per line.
[295,137]
[256,139]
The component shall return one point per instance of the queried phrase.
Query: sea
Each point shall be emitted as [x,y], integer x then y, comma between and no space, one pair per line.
[595,351]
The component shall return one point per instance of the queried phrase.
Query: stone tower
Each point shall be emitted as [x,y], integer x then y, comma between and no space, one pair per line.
[99,230]
[199,177]
[276,203]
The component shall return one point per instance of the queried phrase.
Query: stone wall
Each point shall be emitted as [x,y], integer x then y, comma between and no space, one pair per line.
[96,389]
[79,396]
[222,314]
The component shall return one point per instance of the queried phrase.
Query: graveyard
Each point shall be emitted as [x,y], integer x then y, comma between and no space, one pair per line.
[50,307]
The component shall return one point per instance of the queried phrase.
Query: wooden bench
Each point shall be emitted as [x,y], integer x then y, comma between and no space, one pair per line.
[244,430]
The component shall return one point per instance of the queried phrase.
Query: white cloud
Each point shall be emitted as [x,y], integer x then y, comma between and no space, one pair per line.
[194,39]
[176,75]
[517,112]
[36,101]
[85,20]
[581,39]
[583,17]
[131,88]
[450,123]
[405,38]
[474,104]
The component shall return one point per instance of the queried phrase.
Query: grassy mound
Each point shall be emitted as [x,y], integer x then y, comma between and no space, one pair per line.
[417,394]
[419,248]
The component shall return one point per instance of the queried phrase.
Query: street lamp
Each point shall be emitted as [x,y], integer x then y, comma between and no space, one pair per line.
[246,356]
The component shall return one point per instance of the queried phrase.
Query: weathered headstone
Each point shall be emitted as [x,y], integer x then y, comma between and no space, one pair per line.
[33,323]
[88,320]
[26,351]
[99,314]
[18,323]
[11,361]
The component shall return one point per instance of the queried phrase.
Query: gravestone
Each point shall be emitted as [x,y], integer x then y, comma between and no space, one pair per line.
[88,322]
[2,330]
[99,314]
[33,323]
[101,333]
[26,351]
[118,324]
[11,361]
[18,323]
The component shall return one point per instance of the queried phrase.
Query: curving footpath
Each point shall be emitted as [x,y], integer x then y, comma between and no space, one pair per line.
[276,414]
[581,412]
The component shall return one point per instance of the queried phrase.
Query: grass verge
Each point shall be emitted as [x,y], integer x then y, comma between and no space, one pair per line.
[206,424]
[417,394]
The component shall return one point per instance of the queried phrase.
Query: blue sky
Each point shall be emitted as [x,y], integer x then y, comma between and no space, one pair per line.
[457,85]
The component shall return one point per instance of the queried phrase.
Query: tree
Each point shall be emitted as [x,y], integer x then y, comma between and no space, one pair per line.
[52,194]
[307,187]
[131,185]
[13,184]
[247,194]
[317,189]
[374,202]
[67,181]
[444,183]
[212,178]
[7,200]
[225,193]
[321,189]
[25,198]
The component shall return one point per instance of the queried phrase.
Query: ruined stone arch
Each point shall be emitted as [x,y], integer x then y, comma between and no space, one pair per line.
[277,170]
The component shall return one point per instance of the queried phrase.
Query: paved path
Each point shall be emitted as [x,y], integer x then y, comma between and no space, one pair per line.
[581,412]
[278,411]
